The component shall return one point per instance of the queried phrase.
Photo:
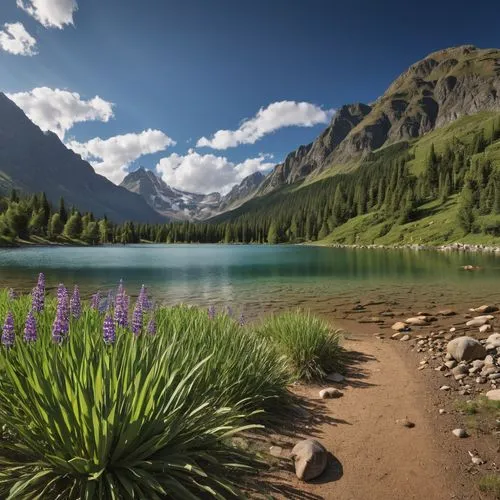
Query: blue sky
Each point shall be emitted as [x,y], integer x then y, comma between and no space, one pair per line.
[175,71]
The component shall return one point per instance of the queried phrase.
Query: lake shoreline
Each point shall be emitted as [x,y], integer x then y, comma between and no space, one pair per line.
[449,247]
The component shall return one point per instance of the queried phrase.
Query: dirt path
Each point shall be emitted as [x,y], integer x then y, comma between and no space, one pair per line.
[375,458]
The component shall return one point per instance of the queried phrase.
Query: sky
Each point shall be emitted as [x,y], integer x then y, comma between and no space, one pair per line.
[206,92]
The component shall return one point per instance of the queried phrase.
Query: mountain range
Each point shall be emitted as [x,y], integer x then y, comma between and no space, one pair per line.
[441,89]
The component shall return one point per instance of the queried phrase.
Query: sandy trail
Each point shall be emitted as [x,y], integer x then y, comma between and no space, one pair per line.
[373,457]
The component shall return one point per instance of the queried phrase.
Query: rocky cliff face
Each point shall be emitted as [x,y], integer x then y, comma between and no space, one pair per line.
[433,92]
[34,161]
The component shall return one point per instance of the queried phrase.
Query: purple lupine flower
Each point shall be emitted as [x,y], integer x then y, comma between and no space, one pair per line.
[38,294]
[30,328]
[75,305]
[121,309]
[60,327]
[151,328]
[241,320]
[211,312]
[8,334]
[95,301]
[143,299]
[137,319]
[108,330]
[12,294]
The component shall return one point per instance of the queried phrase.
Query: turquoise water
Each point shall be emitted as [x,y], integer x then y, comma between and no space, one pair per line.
[260,276]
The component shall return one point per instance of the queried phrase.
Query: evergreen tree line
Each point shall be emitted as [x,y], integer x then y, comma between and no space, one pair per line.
[383,186]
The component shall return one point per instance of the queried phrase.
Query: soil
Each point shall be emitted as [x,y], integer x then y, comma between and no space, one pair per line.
[372,456]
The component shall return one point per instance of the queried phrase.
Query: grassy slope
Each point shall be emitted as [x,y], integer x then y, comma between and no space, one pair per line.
[436,223]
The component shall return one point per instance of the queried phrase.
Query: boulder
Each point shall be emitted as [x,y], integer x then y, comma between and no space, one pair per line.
[493,395]
[465,349]
[399,326]
[310,458]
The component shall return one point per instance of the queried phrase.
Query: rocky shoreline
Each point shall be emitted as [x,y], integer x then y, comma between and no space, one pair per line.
[450,247]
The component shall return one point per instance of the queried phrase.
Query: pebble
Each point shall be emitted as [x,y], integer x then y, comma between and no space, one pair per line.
[405,423]
[276,451]
[441,411]
[459,433]
[445,388]
[405,338]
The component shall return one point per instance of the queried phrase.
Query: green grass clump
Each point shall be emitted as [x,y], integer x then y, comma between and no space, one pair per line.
[309,344]
[490,484]
[150,416]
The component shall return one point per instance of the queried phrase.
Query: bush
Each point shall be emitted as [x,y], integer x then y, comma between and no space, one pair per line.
[312,349]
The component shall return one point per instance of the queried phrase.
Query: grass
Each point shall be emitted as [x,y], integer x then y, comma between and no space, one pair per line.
[309,344]
[490,483]
[148,415]
[482,414]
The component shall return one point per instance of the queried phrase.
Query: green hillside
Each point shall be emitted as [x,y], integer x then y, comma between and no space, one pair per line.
[443,187]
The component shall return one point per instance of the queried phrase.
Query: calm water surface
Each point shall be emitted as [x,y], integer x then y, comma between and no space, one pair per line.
[253,277]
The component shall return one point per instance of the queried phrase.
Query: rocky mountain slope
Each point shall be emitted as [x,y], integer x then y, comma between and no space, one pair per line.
[34,161]
[182,205]
[433,92]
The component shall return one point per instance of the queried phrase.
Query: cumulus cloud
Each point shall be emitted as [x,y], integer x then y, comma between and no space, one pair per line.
[15,39]
[208,173]
[111,157]
[58,110]
[50,13]
[277,115]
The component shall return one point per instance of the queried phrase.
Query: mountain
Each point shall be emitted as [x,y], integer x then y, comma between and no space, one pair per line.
[432,93]
[420,164]
[34,161]
[182,205]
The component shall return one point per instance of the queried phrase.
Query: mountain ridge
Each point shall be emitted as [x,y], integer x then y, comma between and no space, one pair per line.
[32,161]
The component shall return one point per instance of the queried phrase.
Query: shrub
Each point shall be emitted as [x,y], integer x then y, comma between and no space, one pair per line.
[312,348]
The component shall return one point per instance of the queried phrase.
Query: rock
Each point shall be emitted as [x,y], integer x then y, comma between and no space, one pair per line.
[485,309]
[480,380]
[477,460]
[460,376]
[478,363]
[488,370]
[310,458]
[451,364]
[405,423]
[453,329]
[330,393]
[276,451]
[460,433]
[441,411]
[460,370]
[397,336]
[399,326]
[445,388]
[448,357]
[417,321]
[493,341]
[476,322]
[447,312]
[489,360]
[494,376]
[465,349]
[485,328]
[335,377]
[493,395]
[405,338]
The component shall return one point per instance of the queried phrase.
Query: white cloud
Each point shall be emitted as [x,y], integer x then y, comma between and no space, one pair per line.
[58,110]
[15,39]
[208,173]
[50,13]
[111,157]
[277,115]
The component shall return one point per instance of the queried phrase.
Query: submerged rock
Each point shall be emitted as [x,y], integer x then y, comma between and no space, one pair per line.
[310,458]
